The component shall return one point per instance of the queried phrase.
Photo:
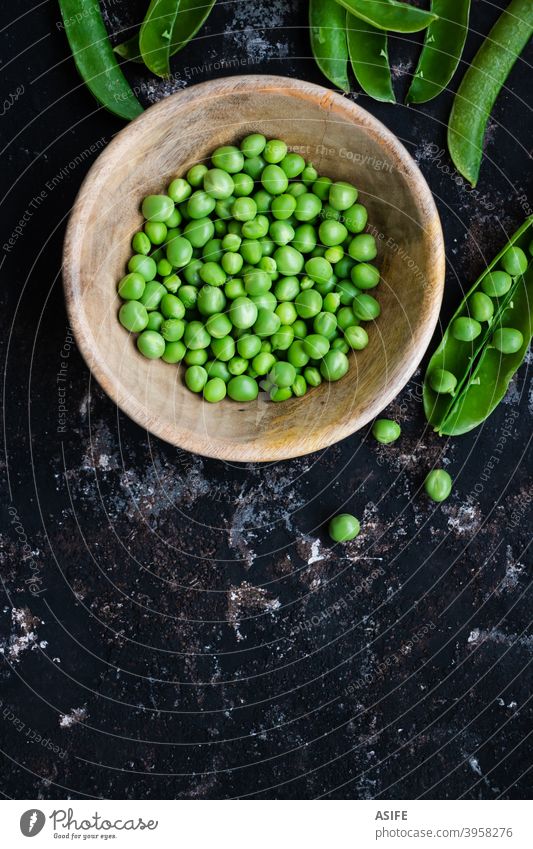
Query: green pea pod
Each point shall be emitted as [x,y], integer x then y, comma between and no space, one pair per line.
[94,58]
[461,358]
[155,35]
[389,14]
[368,49]
[328,41]
[490,379]
[191,16]
[482,83]
[443,48]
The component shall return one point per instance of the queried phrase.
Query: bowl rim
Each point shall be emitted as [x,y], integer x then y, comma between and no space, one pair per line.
[333,104]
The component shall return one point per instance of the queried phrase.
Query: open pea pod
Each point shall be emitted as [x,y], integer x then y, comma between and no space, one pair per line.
[190,16]
[390,15]
[327,22]
[369,55]
[490,378]
[460,358]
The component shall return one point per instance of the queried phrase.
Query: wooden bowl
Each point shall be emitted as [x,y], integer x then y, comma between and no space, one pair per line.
[345,143]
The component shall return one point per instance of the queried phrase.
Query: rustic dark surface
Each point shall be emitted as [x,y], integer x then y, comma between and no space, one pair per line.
[191,632]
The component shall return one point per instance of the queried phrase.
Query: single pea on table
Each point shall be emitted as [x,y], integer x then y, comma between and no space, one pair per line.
[253,272]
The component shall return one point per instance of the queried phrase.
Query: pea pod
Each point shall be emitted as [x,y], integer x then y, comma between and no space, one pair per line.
[368,49]
[94,58]
[389,14]
[191,15]
[156,33]
[328,41]
[482,83]
[443,46]
[478,374]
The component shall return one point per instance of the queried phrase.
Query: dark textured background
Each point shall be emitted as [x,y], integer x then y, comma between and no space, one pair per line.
[195,633]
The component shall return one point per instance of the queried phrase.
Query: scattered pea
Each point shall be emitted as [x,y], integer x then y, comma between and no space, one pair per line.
[438,485]
[344,528]
[386,431]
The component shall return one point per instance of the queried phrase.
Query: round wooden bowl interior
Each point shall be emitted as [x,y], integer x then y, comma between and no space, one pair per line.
[345,143]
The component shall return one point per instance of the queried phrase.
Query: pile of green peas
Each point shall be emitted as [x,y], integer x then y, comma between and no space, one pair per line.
[253,271]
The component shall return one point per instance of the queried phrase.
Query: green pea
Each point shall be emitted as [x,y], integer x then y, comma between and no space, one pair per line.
[365,276]
[309,174]
[365,307]
[243,388]
[228,158]
[232,263]
[363,248]
[316,346]
[237,365]
[196,378]
[172,283]
[443,382]
[299,387]
[164,268]
[196,174]
[465,329]
[339,344]
[244,209]
[274,180]
[249,346]
[211,300]
[266,347]
[253,145]
[172,329]
[289,261]
[263,201]
[325,324]
[356,218]
[312,376]
[293,164]
[243,313]
[280,394]
[266,301]
[438,485]
[329,213]
[179,252]
[296,189]
[243,185]
[251,251]
[308,207]
[347,292]
[267,323]
[356,337]
[212,251]
[151,297]
[214,390]
[287,312]
[342,196]
[199,232]
[508,340]
[223,349]
[179,190]
[174,220]
[514,261]
[218,325]
[213,274]
[283,207]
[480,306]
[151,344]
[281,233]
[268,264]
[171,307]
[496,283]
[282,375]
[332,233]
[223,210]
[318,269]
[196,336]
[231,243]
[308,303]
[267,248]
[275,150]
[334,254]
[156,232]
[263,362]
[254,167]
[131,287]
[200,205]
[157,207]
[300,329]
[287,288]
[334,365]
[304,238]
[196,358]
[191,272]
[257,282]
[321,187]
[155,321]
[257,228]
[174,352]
[343,269]
[216,368]
[331,302]
[386,431]
[282,339]
[188,295]
[143,265]
[141,244]
[346,318]
[234,289]
[133,316]
[218,184]
[297,354]
[344,527]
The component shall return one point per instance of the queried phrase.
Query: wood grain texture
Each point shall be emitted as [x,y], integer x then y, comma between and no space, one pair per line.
[344,142]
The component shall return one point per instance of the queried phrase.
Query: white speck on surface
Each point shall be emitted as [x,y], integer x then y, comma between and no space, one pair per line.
[24,624]
[76,715]
[474,765]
